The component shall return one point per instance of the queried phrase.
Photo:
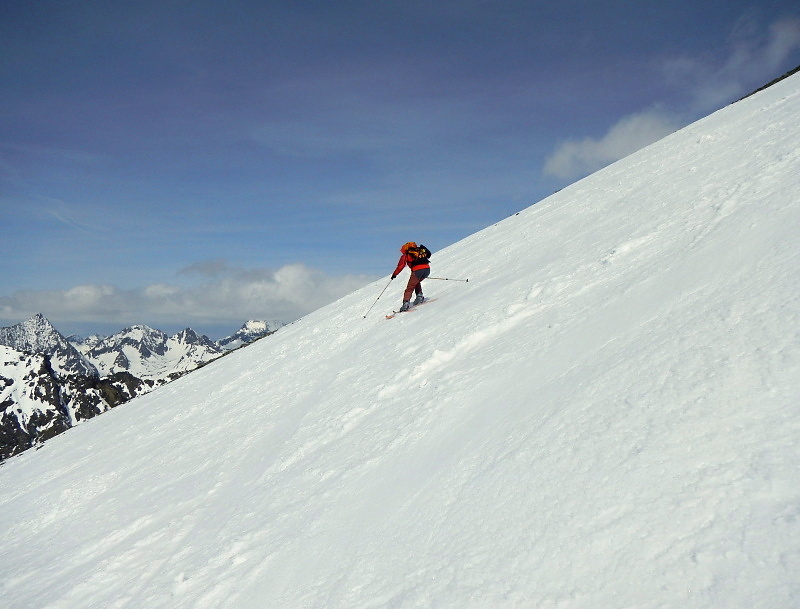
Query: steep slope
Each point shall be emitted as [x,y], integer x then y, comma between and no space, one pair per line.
[606,415]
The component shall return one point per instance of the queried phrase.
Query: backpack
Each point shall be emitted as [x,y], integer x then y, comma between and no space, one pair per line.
[419,252]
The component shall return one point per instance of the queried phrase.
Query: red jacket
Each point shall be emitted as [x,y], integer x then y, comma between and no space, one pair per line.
[413,264]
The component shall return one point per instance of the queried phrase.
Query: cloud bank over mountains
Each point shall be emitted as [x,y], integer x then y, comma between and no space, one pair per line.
[208,292]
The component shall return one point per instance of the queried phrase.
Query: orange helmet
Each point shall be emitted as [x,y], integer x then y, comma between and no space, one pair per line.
[406,246]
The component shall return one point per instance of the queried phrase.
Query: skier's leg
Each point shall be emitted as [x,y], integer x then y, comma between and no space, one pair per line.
[421,274]
[413,284]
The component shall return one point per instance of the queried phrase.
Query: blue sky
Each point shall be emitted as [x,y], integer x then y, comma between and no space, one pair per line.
[180,163]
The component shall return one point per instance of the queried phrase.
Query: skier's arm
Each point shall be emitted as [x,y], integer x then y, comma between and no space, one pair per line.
[400,266]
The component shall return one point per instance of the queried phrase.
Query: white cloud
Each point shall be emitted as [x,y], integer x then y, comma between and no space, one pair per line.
[232,296]
[753,57]
[573,159]
[82,295]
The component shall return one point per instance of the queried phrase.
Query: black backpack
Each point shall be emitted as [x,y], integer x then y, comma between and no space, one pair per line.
[420,253]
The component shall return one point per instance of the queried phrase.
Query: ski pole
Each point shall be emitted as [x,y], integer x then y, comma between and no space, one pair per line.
[377,299]
[447,279]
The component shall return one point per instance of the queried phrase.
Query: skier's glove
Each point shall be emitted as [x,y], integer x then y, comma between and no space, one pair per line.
[394,276]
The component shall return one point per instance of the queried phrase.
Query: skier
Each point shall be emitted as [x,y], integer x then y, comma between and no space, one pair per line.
[416,258]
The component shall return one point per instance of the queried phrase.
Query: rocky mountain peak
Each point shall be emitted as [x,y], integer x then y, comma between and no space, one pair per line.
[250,331]
[38,335]
[35,335]
[146,341]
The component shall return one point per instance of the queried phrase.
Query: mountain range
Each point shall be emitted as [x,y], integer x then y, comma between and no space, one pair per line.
[49,383]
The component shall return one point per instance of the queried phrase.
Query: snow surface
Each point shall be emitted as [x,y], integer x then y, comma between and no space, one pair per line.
[605,416]
[18,379]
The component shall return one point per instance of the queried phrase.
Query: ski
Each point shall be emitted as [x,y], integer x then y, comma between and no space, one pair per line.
[394,313]
[410,310]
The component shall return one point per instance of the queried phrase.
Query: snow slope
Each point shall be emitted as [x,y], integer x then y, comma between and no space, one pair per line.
[607,415]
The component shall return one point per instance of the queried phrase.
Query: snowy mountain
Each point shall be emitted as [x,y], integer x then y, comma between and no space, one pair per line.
[84,344]
[37,335]
[47,386]
[51,383]
[38,400]
[604,416]
[29,401]
[250,331]
[150,354]
[191,349]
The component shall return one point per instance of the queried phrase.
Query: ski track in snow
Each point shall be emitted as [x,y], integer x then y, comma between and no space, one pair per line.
[606,415]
